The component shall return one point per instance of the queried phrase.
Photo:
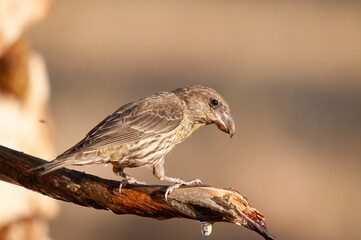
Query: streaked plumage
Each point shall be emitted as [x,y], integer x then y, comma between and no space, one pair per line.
[142,132]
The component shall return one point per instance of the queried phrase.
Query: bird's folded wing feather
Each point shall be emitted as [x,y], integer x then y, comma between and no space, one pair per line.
[132,122]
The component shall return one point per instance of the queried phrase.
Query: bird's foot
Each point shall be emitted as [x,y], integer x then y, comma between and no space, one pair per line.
[170,189]
[129,180]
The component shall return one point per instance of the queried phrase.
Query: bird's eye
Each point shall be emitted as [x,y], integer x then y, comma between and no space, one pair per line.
[214,102]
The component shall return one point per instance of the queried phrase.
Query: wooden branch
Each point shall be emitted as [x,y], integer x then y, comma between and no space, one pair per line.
[200,202]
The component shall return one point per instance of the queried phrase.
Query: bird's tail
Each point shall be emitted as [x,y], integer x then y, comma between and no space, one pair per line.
[52,166]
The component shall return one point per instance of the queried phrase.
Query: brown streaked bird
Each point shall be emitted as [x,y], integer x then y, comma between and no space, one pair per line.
[142,132]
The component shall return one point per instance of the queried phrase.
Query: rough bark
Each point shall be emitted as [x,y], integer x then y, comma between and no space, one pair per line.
[200,202]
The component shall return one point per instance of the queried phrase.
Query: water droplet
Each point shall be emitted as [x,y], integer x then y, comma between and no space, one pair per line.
[206,228]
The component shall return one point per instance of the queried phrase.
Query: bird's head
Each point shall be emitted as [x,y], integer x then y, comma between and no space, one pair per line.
[206,106]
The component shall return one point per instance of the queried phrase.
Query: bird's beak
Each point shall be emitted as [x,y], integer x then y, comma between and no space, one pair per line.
[224,122]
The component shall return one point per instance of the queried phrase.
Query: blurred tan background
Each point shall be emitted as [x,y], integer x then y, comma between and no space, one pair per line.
[290,71]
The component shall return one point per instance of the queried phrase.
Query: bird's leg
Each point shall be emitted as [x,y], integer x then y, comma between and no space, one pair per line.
[158,172]
[128,179]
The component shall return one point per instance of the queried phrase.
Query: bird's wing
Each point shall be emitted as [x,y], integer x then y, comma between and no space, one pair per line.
[149,116]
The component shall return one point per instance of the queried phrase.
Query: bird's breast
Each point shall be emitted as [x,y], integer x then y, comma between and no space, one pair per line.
[147,151]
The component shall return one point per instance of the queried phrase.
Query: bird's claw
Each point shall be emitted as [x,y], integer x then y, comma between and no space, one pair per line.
[194,181]
[170,189]
[129,181]
[135,181]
